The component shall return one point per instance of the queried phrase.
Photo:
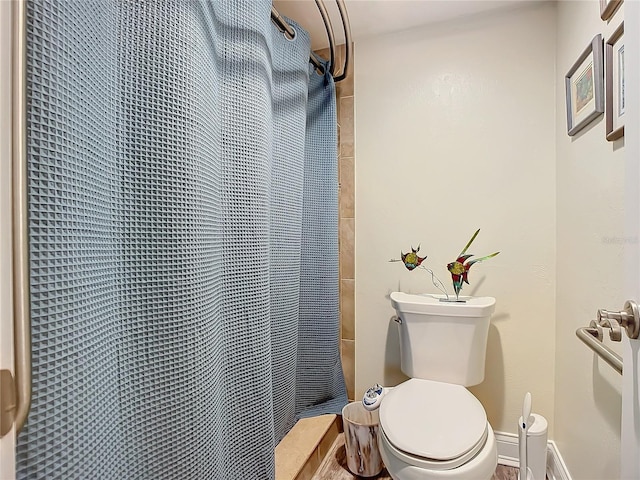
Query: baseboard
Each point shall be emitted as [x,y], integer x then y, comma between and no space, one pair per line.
[507,449]
[508,455]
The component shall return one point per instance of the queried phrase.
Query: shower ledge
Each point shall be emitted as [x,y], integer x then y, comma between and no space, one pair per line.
[301,451]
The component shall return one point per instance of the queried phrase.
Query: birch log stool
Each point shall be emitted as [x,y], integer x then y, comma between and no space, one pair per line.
[361,440]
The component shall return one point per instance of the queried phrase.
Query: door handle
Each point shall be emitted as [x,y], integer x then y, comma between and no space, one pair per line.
[628,318]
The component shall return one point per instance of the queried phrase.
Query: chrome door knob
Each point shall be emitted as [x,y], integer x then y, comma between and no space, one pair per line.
[629,319]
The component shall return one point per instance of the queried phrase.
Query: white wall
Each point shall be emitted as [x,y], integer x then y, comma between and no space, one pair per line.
[455,130]
[591,272]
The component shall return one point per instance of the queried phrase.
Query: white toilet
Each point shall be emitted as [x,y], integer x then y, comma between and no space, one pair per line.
[431,426]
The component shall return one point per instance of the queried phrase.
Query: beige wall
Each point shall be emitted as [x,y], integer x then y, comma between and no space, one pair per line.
[590,269]
[455,130]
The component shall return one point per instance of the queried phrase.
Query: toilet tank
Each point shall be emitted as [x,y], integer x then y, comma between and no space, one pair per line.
[443,341]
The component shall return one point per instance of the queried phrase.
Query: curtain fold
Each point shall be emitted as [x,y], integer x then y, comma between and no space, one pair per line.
[320,381]
[183,239]
[288,94]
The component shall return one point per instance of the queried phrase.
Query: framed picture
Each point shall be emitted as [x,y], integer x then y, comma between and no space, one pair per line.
[607,7]
[584,87]
[614,84]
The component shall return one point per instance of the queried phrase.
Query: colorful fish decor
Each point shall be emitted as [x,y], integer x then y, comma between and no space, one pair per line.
[411,260]
[460,270]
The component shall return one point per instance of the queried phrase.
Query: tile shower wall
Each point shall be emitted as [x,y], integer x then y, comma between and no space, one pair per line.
[346,156]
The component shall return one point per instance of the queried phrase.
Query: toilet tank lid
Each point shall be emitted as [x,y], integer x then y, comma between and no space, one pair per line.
[433,420]
[434,305]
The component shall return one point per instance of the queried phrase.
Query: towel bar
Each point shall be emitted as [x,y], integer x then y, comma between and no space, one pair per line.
[591,338]
[21,296]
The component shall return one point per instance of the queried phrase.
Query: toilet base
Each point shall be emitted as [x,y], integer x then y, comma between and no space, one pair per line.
[480,467]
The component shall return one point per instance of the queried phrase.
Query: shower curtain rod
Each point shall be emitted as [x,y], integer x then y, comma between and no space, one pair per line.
[284,26]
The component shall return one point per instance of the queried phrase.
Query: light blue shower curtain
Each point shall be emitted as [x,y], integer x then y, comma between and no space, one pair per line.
[183,239]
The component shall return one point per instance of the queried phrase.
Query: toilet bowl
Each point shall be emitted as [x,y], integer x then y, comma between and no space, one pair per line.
[435,430]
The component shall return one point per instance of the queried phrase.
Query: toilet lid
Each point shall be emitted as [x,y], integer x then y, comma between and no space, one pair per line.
[435,420]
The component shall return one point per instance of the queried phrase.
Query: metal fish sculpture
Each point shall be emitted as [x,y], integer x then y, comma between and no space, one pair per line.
[411,259]
[460,270]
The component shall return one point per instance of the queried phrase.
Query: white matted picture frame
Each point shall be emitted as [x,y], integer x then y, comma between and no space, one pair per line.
[614,84]
[607,7]
[584,87]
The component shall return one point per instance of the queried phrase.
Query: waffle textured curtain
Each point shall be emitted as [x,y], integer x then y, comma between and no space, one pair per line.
[183,239]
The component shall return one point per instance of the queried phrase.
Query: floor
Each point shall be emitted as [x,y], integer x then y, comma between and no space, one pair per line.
[334,467]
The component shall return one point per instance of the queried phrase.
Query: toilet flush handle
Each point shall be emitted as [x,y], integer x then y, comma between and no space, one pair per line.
[397,319]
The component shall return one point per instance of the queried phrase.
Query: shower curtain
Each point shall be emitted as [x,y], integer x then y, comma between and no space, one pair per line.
[183,239]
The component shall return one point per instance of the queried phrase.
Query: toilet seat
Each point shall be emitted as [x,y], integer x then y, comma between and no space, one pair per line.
[433,425]
[429,463]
